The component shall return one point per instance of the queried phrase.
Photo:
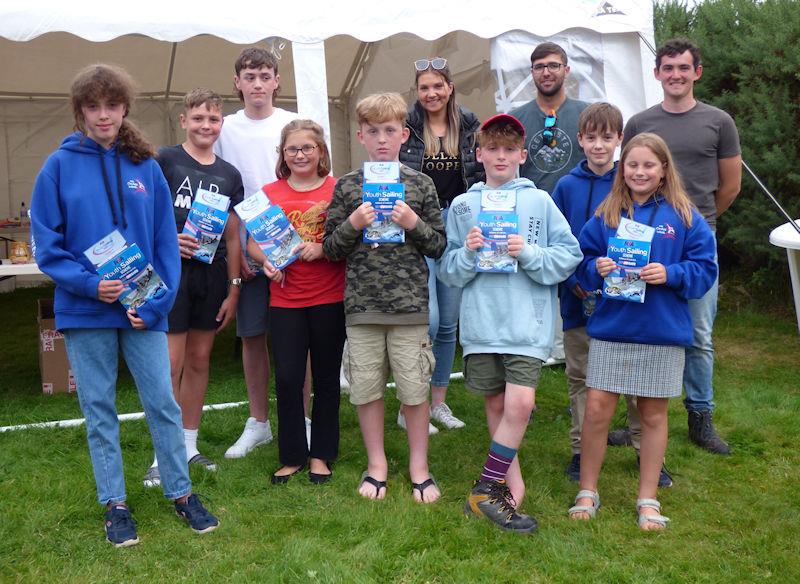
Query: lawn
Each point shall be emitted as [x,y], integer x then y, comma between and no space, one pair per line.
[734,519]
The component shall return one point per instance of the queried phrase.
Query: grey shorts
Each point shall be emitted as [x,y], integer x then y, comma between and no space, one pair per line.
[488,373]
[252,313]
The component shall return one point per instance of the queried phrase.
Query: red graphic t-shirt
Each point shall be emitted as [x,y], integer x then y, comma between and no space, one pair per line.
[306,283]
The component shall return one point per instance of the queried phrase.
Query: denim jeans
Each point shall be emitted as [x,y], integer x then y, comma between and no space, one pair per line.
[444,306]
[94,357]
[698,372]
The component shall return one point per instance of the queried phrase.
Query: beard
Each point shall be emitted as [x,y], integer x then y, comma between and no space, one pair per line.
[557,85]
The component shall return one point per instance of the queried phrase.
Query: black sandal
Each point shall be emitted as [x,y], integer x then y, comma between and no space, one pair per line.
[424,485]
[365,478]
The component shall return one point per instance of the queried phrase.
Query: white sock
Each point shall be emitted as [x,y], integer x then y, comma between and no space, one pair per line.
[155,461]
[190,438]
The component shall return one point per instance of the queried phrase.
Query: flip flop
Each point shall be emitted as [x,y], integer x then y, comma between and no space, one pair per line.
[430,482]
[365,478]
[203,461]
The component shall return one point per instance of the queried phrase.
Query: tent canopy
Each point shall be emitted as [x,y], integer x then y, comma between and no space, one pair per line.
[330,54]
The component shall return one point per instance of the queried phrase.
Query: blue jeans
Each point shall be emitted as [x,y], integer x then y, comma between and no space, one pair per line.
[444,306]
[94,356]
[698,372]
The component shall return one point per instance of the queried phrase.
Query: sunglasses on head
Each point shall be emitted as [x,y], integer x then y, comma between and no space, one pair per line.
[549,131]
[437,63]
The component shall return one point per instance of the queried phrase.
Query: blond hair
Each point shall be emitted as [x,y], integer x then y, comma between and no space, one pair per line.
[671,186]
[380,108]
[324,164]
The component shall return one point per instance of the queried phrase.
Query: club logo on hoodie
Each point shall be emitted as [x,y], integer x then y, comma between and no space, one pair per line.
[137,186]
[666,231]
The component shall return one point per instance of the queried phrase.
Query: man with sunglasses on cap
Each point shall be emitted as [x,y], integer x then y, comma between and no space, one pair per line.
[551,124]
[705,145]
[550,120]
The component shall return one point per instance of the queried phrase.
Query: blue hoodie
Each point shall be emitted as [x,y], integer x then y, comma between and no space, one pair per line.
[663,318]
[577,195]
[510,313]
[82,194]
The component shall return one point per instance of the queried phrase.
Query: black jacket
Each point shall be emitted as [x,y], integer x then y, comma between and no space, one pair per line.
[413,150]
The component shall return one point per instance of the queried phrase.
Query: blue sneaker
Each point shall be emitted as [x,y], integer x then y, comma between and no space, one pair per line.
[120,527]
[198,517]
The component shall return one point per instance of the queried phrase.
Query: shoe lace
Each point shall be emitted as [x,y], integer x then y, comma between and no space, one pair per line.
[499,492]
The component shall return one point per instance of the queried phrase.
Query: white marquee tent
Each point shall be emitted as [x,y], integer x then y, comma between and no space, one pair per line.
[330,55]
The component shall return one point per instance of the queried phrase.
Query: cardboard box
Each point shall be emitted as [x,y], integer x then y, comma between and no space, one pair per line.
[54,365]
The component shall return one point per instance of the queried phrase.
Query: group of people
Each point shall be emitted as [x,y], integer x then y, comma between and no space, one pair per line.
[398,305]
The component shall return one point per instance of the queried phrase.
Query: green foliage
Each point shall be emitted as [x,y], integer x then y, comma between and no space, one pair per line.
[751,70]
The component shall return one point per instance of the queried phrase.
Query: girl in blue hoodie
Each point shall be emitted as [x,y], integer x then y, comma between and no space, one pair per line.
[638,348]
[103,178]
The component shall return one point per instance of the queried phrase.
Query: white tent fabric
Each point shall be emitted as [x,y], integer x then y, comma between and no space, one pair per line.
[330,54]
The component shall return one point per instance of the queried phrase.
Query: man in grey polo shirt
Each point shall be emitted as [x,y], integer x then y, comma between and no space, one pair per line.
[705,145]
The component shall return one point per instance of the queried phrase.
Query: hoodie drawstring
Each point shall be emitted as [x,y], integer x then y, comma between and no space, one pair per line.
[109,194]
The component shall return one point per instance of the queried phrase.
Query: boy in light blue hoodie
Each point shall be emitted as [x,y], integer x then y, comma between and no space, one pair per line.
[507,319]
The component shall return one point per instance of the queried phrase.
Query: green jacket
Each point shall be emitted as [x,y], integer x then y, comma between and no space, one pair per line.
[387,284]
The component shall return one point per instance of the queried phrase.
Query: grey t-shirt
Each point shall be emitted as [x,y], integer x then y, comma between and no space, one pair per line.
[545,165]
[697,139]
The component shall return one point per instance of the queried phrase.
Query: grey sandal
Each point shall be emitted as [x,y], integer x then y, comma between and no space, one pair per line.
[658,519]
[204,461]
[589,510]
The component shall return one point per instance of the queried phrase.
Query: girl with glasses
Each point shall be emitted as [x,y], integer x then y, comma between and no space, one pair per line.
[306,307]
[441,145]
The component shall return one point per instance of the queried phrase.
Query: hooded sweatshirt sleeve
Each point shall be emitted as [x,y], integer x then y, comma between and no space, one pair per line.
[456,267]
[166,255]
[429,232]
[594,244]
[556,261]
[48,226]
[694,275]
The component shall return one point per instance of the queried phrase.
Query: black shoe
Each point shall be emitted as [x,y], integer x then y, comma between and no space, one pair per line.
[664,478]
[493,500]
[120,527]
[620,437]
[196,515]
[574,468]
[319,478]
[277,479]
[702,433]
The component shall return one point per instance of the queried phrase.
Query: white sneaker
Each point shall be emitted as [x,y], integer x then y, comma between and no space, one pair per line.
[255,434]
[444,415]
[308,432]
[401,421]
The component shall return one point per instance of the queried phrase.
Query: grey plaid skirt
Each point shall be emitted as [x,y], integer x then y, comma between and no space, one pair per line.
[635,369]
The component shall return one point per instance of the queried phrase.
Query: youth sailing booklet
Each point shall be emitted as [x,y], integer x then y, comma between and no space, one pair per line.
[114,259]
[382,188]
[630,250]
[270,228]
[206,221]
[497,219]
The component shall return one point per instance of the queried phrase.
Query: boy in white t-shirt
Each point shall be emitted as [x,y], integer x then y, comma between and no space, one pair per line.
[249,140]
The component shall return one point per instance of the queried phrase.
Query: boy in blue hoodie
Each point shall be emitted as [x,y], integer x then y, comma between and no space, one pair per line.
[507,319]
[577,196]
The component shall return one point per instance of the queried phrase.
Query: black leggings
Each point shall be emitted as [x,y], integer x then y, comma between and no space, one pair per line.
[296,332]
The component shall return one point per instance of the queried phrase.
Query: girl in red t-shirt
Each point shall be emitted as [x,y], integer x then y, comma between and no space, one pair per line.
[306,307]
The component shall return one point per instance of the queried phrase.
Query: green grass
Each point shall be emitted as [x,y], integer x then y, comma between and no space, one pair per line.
[734,519]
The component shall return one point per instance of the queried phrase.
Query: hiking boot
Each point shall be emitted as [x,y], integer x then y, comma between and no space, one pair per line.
[120,527]
[255,434]
[198,517]
[702,433]
[664,478]
[620,437]
[444,415]
[574,468]
[401,421]
[493,500]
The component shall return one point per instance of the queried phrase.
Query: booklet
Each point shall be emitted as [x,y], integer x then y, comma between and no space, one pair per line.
[114,259]
[206,221]
[381,172]
[270,228]
[625,283]
[383,197]
[497,219]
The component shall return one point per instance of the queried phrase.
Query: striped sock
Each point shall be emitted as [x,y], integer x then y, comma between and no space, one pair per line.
[497,463]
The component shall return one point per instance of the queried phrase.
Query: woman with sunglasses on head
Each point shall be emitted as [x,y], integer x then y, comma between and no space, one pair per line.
[306,312]
[442,145]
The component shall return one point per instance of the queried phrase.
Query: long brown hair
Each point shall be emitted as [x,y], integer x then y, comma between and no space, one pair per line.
[111,83]
[452,138]
[671,187]
[324,164]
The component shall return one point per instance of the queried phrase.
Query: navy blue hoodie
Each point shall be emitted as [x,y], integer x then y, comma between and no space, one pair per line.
[577,195]
[82,194]
[663,318]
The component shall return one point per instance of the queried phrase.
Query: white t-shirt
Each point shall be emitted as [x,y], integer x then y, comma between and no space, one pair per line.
[252,146]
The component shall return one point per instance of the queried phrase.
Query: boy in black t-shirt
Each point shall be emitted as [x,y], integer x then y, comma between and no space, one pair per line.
[208,293]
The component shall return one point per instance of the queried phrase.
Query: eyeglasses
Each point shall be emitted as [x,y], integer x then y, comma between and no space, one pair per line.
[306,150]
[553,67]
[549,132]
[437,63]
